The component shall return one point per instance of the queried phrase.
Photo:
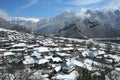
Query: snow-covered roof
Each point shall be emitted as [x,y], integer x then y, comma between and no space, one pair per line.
[69,45]
[2,49]
[57,49]
[58,68]
[87,64]
[85,53]
[17,49]
[19,45]
[28,60]
[30,46]
[93,48]
[42,61]
[115,57]
[56,59]
[69,48]
[42,49]
[50,54]
[9,53]
[68,65]
[63,54]
[117,69]
[65,49]
[48,57]
[81,49]
[38,55]
[101,52]
[96,73]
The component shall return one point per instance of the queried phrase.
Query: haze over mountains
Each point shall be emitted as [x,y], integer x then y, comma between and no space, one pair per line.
[80,24]
[7,25]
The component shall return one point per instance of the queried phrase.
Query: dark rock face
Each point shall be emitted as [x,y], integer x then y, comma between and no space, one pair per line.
[79,30]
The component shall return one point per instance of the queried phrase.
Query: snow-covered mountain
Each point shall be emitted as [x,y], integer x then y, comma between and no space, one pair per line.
[7,25]
[94,21]
[29,22]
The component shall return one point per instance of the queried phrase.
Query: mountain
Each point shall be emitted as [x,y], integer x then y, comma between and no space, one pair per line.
[86,22]
[31,23]
[89,30]
[7,25]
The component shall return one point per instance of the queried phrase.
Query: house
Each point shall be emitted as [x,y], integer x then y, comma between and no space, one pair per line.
[29,61]
[91,54]
[19,48]
[9,56]
[93,49]
[96,75]
[68,67]
[42,50]
[41,63]
[30,48]
[36,55]
[57,68]
[3,43]
[63,54]
[56,60]
[2,51]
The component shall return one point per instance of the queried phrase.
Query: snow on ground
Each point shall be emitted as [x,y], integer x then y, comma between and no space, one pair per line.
[73,39]
[72,76]
[83,65]
[87,63]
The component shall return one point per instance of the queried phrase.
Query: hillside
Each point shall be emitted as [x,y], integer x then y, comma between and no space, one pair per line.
[7,25]
[95,22]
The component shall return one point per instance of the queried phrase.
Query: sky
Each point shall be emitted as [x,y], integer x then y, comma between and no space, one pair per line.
[49,8]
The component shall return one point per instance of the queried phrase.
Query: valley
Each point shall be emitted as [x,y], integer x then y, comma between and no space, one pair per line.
[36,57]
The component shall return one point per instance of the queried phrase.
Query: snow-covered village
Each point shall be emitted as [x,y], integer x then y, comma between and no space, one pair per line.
[59,39]
[25,56]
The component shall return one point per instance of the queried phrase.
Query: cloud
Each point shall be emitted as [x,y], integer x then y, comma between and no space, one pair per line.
[29,4]
[83,2]
[113,3]
[82,14]
[3,14]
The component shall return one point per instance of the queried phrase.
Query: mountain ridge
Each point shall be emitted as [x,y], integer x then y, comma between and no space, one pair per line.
[7,25]
[103,18]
